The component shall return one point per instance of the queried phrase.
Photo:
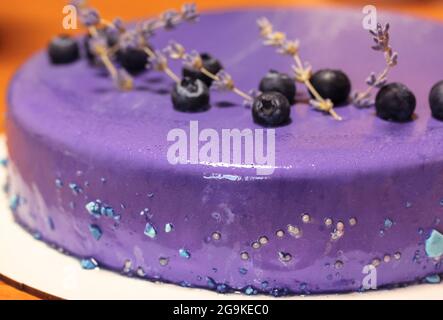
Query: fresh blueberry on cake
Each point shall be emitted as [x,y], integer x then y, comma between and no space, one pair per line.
[436,100]
[271,109]
[190,95]
[63,49]
[395,102]
[332,84]
[123,164]
[275,81]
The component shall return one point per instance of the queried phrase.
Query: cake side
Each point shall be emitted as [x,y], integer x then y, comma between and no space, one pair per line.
[342,196]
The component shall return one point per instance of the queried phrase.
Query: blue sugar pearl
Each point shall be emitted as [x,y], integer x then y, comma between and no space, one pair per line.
[14,202]
[89,264]
[243,271]
[184,253]
[150,231]
[434,244]
[96,232]
[168,227]
[433,279]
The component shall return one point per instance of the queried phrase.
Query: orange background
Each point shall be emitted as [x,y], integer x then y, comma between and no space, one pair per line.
[27,25]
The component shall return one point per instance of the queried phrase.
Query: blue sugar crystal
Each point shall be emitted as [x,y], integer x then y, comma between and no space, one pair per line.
[58,183]
[250,291]
[434,244]
[37,235]
[14,202]
[96,232]
[51,223]
[184,253]
[211,283]
[223,288]
[4,162]
[168,227]
[264,284]
[433,279]
[243,271]
[93,208]
[388,223]
[108,211]
[75,188]
[150,231]
[89,264]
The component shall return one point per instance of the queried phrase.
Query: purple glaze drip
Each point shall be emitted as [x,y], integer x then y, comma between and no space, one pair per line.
[67,125]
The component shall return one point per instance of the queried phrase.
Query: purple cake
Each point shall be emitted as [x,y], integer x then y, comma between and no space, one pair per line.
[89,172]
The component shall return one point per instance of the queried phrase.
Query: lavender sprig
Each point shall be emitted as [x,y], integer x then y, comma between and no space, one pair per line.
[302,71]
[222,81]
[169,20]
[381,39]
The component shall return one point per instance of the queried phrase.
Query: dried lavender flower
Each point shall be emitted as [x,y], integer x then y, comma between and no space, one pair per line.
[224,82]
[170,19]
[381,38]
[89,17]
[159,61]
[189,12]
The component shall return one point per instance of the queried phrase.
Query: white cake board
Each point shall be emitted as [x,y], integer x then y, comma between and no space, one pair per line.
[33,264]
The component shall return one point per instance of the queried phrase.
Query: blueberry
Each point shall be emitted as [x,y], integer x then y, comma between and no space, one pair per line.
[190,95]
[209,63]
[436,100]
[271,109]
[133,60]
[332,84]
[395,102]
[63,49]
[275,81]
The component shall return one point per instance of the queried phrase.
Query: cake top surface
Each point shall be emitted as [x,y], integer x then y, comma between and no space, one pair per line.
[78,107]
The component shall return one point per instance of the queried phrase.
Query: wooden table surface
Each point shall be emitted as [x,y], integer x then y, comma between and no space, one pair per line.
[26,26]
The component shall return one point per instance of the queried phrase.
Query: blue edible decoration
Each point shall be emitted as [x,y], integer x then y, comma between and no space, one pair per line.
[75,188]
[58,183]
[14,202]
[97,209]
[89,264]
[150,231]
[388,223]
[168,227]
[433,279]
[4,162]
[434,244]
[243,271]
[95,231]
[93,208]
[184,253]
[250,291]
